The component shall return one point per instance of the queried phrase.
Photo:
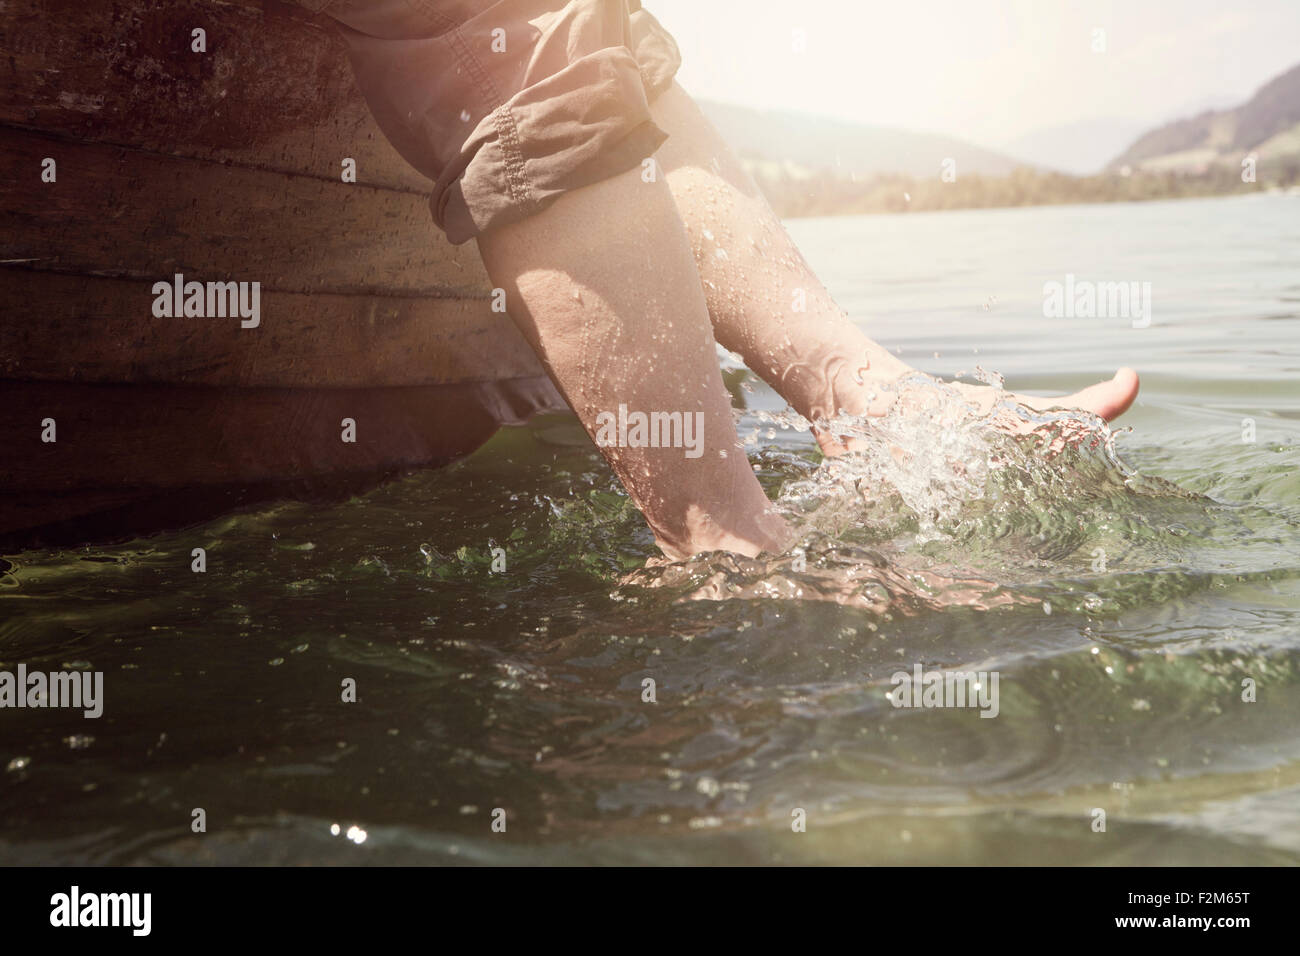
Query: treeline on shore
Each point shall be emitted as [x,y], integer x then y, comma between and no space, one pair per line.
[828,194]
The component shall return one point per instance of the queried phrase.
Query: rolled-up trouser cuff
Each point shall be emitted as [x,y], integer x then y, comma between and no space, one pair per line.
[504,132]
[584,124]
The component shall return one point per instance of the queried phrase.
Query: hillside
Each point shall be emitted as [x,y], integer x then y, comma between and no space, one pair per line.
[816,166]
[798,143]
[1267,125]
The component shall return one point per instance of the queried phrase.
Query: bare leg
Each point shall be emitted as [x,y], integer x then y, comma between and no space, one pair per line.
[767,305]
[604,287]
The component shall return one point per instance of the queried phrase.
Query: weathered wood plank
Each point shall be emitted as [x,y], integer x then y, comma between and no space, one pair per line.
[124,212]
[90,329]
[139,459]
[222,166]
[274,89]
[158,436]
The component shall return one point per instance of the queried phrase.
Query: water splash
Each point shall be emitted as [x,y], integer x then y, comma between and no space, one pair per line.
[957,494]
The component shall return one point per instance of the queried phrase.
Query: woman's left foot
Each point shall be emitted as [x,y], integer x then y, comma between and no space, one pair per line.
[1108,400]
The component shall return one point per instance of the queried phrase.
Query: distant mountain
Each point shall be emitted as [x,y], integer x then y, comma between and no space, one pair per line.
[803,143]
[1081,148]
[1268,125]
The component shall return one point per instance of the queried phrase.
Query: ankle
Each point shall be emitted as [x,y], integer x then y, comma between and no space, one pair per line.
[747,534]
[857,381]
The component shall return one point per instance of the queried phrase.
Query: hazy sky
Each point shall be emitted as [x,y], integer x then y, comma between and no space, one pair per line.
[988,71]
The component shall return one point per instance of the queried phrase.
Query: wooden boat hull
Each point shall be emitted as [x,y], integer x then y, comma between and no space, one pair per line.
[142,452]
[223,166]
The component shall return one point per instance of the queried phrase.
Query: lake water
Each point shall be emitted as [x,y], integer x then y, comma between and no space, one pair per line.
[1127,602]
